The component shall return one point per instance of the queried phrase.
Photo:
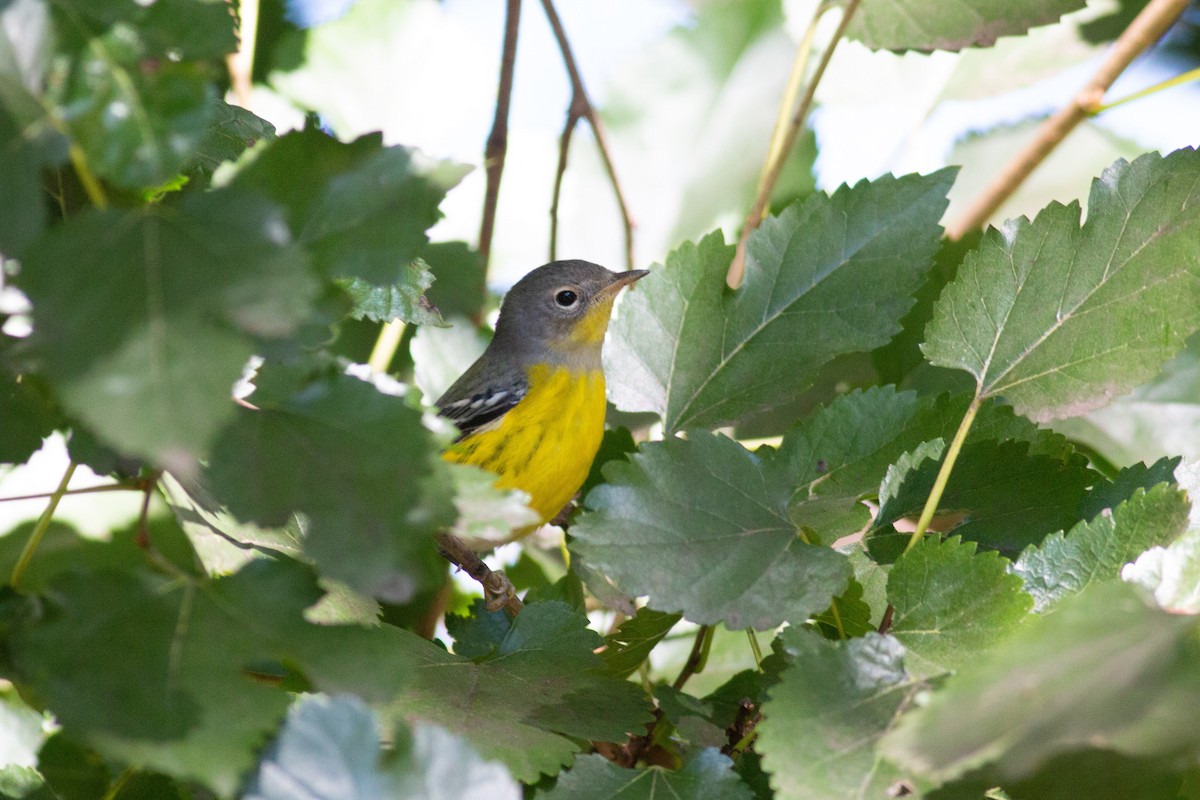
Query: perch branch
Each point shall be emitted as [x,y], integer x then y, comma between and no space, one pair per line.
[495,585]
[1143,32]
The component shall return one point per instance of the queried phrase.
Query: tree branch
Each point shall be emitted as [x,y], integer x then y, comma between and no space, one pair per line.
[582,108]
[1143,32]
[737,268]
[241,62]
[495,584]
[497,142]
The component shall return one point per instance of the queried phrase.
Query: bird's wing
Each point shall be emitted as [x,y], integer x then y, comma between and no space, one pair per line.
[479,408]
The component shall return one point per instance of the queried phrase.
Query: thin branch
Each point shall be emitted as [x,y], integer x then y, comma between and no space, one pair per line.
[495,584]
[737,268]
[497,142]
[1144,31]
[581,106]
[885,624]
[564,147]
[240,63]
[39,530]
[696,658]
[142,537]
[1169,83]
[135,486]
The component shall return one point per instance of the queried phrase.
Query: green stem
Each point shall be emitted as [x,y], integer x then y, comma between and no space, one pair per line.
[697,658]
[119,784]
[39,530]
[943,476]
[1187,77]
[837,619]
[755,648]
[386,345]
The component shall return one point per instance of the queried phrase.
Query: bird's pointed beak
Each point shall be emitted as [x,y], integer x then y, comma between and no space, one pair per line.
[623,279]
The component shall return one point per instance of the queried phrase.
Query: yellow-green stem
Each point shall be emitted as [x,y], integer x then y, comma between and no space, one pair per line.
[755,648]
[939,485]
[1178,80]
[119,784]
[385,346]
[787,104]
[108,487]
[837,619]
[39,530]
[91,185]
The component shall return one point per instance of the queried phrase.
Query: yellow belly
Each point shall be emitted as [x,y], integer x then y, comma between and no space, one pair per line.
[545,445]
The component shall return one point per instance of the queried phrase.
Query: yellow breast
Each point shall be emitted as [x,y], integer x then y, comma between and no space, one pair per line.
[545,445]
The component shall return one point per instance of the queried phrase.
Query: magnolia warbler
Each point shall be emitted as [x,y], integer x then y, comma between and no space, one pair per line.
[531,409]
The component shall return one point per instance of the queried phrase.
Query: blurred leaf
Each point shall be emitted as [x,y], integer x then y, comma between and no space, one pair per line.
[27,415]
[233,130]
[360,207]
[1103,670]
[440,355]
[177,29]
[529,703]
[459,286]
[927,26]
[27,144]
[825,718]
[63,549]
[222,543]
[23,783]
[1095,550]
[71,770]
[630,644]
[1008,498]
[329,749]
[701,526]
[170,662]
[831,275]
[708,775]
[24,730]
[1052,316]
[951,604]
[841,452]
[357,463]
[145,339]
[1172,573]
[138,122]
[485,513]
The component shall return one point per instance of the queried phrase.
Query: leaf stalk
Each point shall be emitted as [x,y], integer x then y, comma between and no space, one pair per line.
[39,530]
[943,476]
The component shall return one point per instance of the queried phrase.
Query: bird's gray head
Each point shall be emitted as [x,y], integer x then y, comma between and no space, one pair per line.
[560,311]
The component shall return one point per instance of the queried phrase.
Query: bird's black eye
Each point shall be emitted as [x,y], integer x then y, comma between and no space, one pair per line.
[566,298]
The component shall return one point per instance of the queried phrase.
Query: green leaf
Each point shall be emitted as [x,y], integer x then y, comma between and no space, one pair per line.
[826,716]
[1095,550]
[161,310]
[630,644]
[23,783]
[357,463]
[708,775]
[27,144]
[460,284]
[28,416]
[173,29]
[137,124]
[926,25]
[232,131]
[361,208]
[1009,498]
[1057,318]
[701,526]
[71,770]
[829,276]
[404,300]
[329,749]
[951,604]
[841,452]
[487,515]
[1104,670]
[1110,494]
[529,703]
[170,662]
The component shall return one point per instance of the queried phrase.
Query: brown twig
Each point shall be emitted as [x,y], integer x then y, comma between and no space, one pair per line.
[582,108]
[885,624]
[497,141]
[695,658]
[241,62]
[737,269]
[142,537]
[1143,32]
[455,550]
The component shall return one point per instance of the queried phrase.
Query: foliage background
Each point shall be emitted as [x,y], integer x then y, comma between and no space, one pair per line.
[290,547]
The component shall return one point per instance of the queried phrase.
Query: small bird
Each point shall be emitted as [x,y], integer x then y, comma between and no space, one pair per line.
[531,408]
